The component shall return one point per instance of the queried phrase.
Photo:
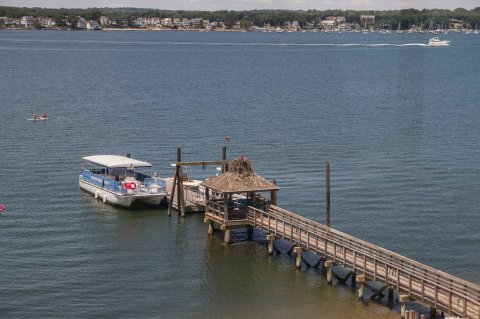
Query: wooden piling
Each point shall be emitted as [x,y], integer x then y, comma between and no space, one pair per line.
[390,293]
[298,258]
[354,279]
[433,313]
[327,188]
[227,234]
[273,194]
[180,198]
[329,266]
[174,185]
[250,232]
[361,288]
[224,158]
[270,239]
[210,230]
[403,304]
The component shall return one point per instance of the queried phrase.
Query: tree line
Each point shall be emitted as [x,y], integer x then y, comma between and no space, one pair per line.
[406,17]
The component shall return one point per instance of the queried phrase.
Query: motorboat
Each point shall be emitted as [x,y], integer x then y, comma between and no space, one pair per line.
[121,180]
[436,42]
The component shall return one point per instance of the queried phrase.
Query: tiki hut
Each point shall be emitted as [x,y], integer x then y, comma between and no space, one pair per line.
[240,178]
[230,195]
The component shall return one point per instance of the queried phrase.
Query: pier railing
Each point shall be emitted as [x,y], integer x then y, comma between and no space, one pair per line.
[420,282]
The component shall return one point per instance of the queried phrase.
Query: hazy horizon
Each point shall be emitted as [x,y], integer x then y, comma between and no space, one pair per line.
[240,5]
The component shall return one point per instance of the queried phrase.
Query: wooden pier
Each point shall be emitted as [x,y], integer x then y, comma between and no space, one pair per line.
[233,202]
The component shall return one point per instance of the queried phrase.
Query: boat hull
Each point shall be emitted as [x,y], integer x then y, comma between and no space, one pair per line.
[124,200]
[107,196]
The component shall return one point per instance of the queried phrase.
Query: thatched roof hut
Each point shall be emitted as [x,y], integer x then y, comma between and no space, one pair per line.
[240,178]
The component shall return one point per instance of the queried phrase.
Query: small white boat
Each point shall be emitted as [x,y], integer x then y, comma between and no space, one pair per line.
[436,42]
[119,180]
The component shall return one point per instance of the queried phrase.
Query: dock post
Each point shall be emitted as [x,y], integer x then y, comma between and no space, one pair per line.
[273,194]
[250,232]
[270,239]
[390,293]
[172,194]
[298,258]
[403,305]
[180,195]
[210,230]
[224,158]
[361,289]
[354,279]
[433,313]
[327,192]
[329,265]
[227,234]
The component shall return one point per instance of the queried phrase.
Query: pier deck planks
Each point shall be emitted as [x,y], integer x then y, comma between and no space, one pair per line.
[422,283]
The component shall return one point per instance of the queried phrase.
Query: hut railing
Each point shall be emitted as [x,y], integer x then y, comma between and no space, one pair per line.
[421,282]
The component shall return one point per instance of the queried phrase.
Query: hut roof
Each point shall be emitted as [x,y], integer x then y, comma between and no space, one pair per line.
[239,179]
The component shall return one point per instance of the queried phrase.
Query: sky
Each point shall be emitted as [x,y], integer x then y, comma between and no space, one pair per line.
[212,5]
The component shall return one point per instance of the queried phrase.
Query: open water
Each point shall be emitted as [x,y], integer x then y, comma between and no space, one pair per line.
[398,121]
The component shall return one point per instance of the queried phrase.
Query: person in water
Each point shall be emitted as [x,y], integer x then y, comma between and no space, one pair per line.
[35,116]
[44,115]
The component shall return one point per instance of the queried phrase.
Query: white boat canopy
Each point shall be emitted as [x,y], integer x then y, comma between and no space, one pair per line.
[118,161]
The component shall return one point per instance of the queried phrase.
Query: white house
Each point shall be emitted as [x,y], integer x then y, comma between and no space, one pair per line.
[27,21]
[104,20]
[92,25]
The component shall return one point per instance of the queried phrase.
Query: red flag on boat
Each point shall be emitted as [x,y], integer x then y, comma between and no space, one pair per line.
[2,208]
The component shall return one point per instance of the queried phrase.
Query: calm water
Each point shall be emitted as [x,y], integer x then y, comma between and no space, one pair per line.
[398,121]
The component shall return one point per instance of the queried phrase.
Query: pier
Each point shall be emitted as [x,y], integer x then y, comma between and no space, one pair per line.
[234,200]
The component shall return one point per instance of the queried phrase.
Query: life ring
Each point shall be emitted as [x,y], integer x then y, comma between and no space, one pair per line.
[130,185]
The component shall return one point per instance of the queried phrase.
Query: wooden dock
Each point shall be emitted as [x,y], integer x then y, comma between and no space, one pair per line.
[233,200]
[419,282]
[365,262]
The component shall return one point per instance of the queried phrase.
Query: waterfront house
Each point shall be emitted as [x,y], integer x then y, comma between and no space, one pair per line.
[328,24]
[104,20]
[167,22]
[197,23]
[140,22]
[92,25]
[186,23]
[27,21]
[46,22]
[177,23]
[80,23]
